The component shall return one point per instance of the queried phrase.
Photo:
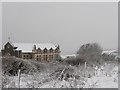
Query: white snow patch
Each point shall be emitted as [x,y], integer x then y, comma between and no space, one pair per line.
[68,56]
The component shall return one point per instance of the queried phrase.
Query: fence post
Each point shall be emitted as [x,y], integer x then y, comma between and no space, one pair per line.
[19,79]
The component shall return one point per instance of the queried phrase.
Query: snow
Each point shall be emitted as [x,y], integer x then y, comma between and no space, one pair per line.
[70,56]
[114,52]
[103,76]
[27,47]
[103,81]
[41,80]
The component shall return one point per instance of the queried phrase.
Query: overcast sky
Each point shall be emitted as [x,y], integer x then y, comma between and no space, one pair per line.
[68,24]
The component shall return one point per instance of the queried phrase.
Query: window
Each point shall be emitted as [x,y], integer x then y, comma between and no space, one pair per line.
[37,58]
[39,50]
[51,50]
[45,50]
[56,50]
[44,57]
[24,57]
[50,57]
[40,57]
[27,56]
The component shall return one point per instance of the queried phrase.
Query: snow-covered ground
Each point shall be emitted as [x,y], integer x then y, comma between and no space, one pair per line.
[102,79]
[106,77]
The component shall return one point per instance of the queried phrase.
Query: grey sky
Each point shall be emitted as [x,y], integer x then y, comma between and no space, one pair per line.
[68,24]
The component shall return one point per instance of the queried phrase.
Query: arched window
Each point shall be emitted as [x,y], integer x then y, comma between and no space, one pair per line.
[39,50]
[56,50]
[45,50]
[51,50]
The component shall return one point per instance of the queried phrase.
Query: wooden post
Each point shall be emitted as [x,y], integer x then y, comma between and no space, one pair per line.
[19,78]
[85,69]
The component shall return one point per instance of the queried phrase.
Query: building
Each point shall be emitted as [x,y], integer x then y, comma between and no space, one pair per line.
[39,52]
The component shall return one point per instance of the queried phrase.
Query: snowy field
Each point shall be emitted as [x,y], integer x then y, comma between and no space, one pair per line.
[102,80]
[61,74]
[105,78]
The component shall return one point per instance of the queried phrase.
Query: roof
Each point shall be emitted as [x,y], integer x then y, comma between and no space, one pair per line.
[27,47]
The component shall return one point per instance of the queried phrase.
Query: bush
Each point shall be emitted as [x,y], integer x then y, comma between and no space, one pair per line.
[11,65]
[74,61]
[90,53]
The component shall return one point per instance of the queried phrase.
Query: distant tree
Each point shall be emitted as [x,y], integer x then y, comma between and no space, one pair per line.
[90,52]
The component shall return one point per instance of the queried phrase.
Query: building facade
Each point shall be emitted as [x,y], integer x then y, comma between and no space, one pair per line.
[40,52]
